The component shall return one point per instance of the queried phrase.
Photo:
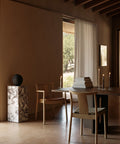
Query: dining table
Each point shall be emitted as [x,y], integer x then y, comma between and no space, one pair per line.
[102,91]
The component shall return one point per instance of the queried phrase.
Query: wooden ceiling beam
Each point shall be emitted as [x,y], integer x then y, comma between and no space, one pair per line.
[114,13]
[73,1]
[81,2]
[69,1]
[110,9]
[105,5]
[94,3]
[66,0]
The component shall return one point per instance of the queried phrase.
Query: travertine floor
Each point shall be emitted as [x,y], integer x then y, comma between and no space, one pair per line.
[55,132]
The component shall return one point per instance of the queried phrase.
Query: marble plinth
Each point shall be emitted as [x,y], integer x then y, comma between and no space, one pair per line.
[17,104]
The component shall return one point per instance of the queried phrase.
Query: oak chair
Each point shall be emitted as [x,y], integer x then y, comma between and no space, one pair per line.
[45,96]
[84,112]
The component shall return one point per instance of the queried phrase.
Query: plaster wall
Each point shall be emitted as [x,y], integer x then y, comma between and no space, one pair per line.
[31,43]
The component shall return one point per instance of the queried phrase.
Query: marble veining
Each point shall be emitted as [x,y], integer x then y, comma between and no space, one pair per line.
[17,104]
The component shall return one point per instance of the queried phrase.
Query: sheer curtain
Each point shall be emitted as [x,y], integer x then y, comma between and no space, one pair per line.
[85,50]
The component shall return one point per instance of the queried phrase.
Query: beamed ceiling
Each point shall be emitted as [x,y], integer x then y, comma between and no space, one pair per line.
[108,7]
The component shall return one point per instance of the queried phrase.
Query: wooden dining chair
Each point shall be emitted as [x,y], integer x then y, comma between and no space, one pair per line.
[84,112]
[45,96]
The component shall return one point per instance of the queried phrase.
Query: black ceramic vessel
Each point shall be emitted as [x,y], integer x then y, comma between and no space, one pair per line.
[17,80]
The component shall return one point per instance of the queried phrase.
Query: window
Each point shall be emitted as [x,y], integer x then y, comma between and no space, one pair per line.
[68,53]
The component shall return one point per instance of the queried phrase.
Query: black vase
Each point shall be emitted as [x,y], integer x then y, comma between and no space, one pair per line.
[17,80]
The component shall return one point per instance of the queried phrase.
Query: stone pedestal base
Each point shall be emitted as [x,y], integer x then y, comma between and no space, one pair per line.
[17,104]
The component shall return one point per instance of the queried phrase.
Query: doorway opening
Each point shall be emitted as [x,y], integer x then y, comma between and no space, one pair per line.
[68,53]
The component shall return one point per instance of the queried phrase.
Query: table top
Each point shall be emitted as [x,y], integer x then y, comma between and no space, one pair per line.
[106,91]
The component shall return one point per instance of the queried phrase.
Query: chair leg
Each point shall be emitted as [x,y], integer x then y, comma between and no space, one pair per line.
[105,131]
[44,113]
[70,129]
[66,108]
[66,111]
[81,127]
[71,114]
[96,131]
[36,111]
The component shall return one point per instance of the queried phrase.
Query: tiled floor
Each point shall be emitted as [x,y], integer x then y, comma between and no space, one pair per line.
[55,132]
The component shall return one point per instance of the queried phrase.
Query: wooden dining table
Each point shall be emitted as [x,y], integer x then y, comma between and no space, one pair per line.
[102,91]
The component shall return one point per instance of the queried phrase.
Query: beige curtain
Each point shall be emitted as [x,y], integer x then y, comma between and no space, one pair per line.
[85,50]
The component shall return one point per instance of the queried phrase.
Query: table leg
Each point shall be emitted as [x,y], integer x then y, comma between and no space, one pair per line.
[66,108]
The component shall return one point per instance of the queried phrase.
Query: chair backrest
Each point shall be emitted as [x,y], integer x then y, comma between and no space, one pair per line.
[46,87]
[82,101]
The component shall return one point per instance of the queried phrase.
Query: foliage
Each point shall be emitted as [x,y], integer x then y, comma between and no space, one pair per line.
[68,50]
[68,79]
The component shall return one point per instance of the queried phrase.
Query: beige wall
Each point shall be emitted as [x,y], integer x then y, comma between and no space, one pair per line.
[31,43]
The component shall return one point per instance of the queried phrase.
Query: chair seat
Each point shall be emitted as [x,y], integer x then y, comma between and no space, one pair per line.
[99,110]
[91,111]
[52,100]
